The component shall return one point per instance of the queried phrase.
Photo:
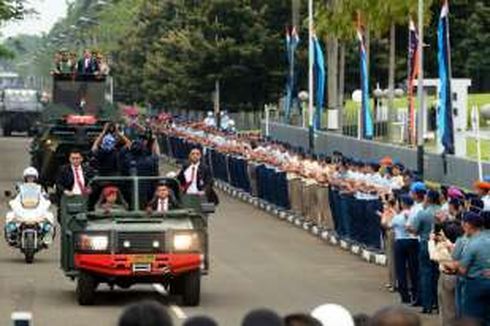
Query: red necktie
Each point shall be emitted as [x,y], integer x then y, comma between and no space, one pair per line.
[78,179]
[193,174]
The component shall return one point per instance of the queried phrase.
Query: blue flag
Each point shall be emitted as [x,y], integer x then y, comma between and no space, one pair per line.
[445,129]
[319,70]
[366,115]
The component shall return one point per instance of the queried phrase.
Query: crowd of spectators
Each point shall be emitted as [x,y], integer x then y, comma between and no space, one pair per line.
[436,238]
[91,63]
[151,313]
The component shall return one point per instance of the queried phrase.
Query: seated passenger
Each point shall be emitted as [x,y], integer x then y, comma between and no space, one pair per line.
[109,199]
[163,200]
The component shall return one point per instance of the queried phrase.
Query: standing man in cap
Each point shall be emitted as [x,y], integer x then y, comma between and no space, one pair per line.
[474,266]
[422,225]
[406,250]
[483,191]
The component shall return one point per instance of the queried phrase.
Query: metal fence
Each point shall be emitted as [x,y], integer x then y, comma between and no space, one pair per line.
[454,170]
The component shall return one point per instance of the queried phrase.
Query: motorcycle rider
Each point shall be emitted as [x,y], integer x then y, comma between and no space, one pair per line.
[30,176]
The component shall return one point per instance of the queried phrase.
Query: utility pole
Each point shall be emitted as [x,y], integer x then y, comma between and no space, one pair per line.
[420,93]
[217,109]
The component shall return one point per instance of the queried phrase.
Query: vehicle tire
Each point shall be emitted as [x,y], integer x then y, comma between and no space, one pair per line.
[29,249]
[176,286]
[6,132]
[86,287]
[191,288]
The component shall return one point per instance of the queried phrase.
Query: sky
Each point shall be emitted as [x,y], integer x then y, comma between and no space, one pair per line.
[49,11]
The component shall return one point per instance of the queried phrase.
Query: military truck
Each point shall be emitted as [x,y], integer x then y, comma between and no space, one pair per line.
[54,140]
[126,247]
[82,98]
[19,110]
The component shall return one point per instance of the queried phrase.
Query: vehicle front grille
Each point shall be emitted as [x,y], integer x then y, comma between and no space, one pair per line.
[132,242]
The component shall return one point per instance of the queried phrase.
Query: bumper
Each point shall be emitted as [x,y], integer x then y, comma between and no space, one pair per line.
[124,265]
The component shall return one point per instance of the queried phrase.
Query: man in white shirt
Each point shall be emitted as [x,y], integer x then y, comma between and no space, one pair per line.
[163,201]
[195,177]
[73,178]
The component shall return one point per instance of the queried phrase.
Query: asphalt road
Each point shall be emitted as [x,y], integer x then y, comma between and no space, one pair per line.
[256,261]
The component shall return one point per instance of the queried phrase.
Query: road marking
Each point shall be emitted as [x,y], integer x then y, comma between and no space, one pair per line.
[179,313]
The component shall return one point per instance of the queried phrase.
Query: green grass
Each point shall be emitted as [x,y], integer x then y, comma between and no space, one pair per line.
[473,99]
[471,150]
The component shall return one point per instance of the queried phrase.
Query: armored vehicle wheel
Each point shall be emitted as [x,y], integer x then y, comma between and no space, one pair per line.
[86,286]
[191,288]
[6,132]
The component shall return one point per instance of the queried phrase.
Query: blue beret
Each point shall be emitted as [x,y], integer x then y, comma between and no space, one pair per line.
[486,178]
[418,187]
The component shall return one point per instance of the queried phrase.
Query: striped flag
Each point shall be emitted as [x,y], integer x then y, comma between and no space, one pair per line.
[319,68]
[413,69]
[367,127]
[445,114]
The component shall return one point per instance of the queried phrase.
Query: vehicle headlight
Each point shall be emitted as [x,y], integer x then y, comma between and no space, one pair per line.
[186,242]
[93,242]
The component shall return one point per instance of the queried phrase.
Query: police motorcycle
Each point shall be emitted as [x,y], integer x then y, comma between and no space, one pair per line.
[29,223]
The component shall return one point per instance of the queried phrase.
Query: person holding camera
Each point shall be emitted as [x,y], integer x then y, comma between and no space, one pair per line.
[440,245]
[106,148]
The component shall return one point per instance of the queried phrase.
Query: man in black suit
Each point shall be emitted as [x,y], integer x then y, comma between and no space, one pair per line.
[87,65]
[195,178]
[74,177]
[163,201]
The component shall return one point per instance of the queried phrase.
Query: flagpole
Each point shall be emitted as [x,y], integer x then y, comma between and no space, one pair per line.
[310,76]
[475,119]
[420,92]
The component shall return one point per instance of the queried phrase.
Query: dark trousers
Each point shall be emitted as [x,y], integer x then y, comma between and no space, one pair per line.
[477,299]
[406,259]
[428,276]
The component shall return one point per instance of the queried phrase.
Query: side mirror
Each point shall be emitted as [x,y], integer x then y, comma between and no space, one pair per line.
[7,194]
[208,208]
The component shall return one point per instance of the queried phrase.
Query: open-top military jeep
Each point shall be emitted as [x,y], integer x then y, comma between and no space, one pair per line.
[130,246]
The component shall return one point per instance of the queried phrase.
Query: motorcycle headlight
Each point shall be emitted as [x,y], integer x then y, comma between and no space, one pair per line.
[188,241]
[93,242]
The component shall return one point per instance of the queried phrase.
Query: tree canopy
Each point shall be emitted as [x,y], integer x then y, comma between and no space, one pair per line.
[171,52]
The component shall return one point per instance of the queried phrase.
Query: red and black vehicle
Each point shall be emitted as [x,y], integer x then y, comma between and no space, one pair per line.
[128,246]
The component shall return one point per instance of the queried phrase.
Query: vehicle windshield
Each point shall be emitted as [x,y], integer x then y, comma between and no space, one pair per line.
[126,194]
[30,195]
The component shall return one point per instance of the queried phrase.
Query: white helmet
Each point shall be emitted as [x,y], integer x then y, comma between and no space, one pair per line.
[30,172]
